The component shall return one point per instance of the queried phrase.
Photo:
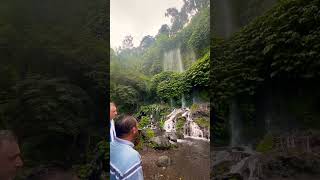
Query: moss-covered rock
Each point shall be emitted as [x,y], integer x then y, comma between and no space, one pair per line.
[203,122]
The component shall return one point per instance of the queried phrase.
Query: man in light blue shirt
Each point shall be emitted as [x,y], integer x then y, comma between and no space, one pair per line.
[113,114]
[125,162]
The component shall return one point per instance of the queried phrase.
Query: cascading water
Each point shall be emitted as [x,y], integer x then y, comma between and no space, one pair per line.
[224,22]
[183,101]
[170,124]
[172,62]
[226,28]
[229,25]
[235,124]
[190,129]
[193,56]
[171,102]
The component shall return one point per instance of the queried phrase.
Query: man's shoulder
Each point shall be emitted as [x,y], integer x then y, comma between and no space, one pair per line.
[123,157]
[122,150]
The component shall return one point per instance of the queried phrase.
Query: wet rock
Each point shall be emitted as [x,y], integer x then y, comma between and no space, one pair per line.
[172,136]
[238,148]
[221,156]
[158,132]
[249,168]
[143,133]
[286,165]
[163,161]
[180,135]
[160,142]
[222,168]
[172,142]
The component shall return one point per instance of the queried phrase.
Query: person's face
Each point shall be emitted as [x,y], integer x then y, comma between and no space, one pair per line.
[10,159]
[113,112]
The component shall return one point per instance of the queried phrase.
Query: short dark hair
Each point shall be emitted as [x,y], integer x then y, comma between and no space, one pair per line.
[112,104]
[124,124]
[8,136]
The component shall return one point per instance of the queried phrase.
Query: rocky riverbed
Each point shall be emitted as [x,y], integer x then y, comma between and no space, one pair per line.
[289,159]
[189,161]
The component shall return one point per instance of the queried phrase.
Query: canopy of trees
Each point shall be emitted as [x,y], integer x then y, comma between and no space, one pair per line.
[278,49]
[137,74]
[53,78]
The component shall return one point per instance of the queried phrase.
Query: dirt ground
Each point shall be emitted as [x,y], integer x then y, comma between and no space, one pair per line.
[190,161]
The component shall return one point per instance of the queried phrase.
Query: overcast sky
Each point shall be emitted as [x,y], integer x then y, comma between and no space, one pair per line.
[138,18]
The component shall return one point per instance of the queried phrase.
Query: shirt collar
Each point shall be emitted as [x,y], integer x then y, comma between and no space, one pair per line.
[122,141]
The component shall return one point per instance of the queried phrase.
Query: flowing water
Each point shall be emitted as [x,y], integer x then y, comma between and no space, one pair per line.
[172,61]
[170,124]
[235,123]
[190,129]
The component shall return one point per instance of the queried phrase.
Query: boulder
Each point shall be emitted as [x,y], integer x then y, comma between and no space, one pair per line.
[172,136]
[163,161]
[180,135]
[160,142]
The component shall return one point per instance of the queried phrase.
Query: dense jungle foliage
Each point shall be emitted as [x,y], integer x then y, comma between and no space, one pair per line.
[53,80]
[276,57]
[137,73]
[54,76]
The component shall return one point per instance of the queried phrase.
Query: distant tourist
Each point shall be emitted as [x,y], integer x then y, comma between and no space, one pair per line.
[113,114]
[125,162]
[10,156]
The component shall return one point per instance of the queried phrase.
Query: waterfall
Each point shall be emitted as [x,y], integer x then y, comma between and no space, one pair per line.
[183,101]
[228,25]
[170,124]
[224,22]
[193,56]
[195,96]
[173,62]
[193,131]
[190,129]
[171,102]
[235,123]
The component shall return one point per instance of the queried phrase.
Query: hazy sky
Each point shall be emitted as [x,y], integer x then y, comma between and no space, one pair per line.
[138,18]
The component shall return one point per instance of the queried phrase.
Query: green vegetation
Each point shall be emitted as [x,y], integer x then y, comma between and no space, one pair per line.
[54,79]
[54,76]
[266,144]
[149,133]
[137,73]
[278,50]
[194,107]
[161,123]
[144,122]
[198,74]
[202,122]
[180,123]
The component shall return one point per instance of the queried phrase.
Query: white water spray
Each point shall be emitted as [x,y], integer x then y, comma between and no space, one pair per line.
[190,129]
[172,62]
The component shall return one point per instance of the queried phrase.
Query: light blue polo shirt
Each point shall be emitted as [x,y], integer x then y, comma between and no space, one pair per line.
[125,162]
[113,134]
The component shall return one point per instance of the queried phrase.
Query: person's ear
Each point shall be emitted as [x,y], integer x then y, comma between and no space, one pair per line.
[134,130]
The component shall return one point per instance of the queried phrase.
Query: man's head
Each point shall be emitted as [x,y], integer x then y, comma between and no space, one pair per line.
[113,110]
[10,156]
[127,128]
